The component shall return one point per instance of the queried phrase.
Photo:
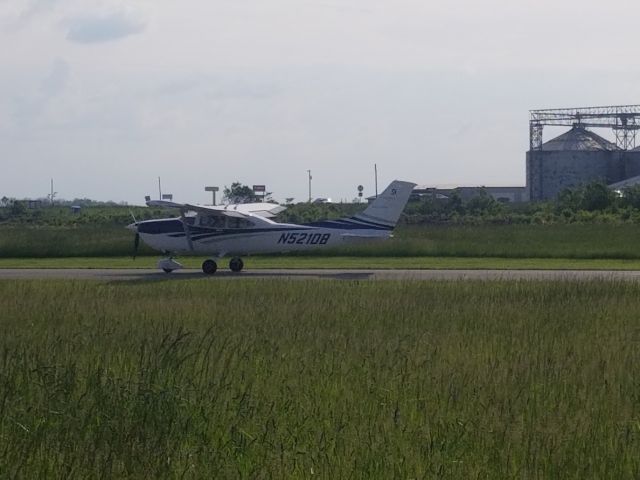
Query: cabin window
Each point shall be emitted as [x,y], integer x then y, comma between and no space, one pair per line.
[239,223]
[210,221]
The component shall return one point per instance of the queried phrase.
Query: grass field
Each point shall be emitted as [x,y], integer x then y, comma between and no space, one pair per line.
[260,262]
[277,379]
[510,241]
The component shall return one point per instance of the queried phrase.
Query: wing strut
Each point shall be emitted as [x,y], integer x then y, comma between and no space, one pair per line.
[187,230]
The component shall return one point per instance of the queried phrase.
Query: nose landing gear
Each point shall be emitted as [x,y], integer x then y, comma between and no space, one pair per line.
[168,265]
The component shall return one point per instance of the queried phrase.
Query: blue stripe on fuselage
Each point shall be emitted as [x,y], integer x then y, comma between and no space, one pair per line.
[348,224]
[175,228]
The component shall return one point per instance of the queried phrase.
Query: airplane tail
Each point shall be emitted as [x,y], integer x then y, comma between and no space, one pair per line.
[385,210]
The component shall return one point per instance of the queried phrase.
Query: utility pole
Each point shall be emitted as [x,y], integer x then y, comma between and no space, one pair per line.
[159,190]
[309,172]
[52,194]
[375,170]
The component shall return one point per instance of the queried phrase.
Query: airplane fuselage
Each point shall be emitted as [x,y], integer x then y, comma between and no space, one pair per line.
[245,229]
[170,236]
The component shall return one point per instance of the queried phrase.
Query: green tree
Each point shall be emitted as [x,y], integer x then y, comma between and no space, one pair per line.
[239,193]
[597,196]
[483,203]
[569,199]
[631,197]
[591,197]
[18,208]
[455,203]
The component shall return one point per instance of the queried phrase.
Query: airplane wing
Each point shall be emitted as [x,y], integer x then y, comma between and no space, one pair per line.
[266,210]
[187,207]
[241,210]
[164,204]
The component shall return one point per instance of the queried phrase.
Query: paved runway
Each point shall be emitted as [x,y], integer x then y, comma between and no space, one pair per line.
[340,274]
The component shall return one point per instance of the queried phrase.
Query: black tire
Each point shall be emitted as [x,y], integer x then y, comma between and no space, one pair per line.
[236,264]
[167,270]
[209,267]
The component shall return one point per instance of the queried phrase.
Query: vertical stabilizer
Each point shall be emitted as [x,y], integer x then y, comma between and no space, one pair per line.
[385,210]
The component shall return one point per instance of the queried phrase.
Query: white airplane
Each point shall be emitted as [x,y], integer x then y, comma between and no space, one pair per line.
[243,229]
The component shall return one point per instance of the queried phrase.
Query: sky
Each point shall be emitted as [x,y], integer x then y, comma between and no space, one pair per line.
[104,96]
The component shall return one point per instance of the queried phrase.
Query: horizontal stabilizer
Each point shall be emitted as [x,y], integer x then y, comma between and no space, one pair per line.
[355,236]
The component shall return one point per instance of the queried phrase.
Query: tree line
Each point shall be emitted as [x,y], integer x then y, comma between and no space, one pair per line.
[590,203]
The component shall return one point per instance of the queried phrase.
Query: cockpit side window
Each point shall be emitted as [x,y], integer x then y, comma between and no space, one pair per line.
[214,221]
[239,223]
[211,221]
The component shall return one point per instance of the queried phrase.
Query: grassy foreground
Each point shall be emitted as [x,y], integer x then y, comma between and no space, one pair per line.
[339,262]
[320,378]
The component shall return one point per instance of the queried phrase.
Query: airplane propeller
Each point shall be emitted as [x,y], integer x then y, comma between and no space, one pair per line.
[136,240]
[136,244]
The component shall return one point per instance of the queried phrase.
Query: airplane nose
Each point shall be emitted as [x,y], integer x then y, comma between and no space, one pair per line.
[133,227]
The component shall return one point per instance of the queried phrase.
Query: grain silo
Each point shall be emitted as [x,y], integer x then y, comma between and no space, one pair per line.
[579,155]
[632,163]
[576,157]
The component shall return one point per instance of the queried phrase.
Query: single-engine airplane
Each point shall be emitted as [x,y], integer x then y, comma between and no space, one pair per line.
[243,229]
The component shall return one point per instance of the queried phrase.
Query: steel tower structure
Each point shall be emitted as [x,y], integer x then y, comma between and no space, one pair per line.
[624,120]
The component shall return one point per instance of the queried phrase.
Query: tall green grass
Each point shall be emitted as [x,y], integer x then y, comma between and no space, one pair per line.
[56,242]
[505,241]
[239,379]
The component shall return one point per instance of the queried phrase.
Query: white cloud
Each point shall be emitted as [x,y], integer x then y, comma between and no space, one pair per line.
[102,27]
[15,15]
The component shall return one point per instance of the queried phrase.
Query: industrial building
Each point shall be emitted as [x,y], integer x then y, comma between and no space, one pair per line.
[502,194]
[579,155]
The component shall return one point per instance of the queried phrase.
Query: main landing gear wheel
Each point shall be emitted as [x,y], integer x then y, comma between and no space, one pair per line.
[209,267]
[236,264]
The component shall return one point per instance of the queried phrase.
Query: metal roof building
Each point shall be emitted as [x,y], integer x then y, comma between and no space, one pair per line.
[579,139]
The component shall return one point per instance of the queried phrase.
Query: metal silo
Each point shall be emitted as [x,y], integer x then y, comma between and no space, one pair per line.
[576,157]
[632,163]
[579,155]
